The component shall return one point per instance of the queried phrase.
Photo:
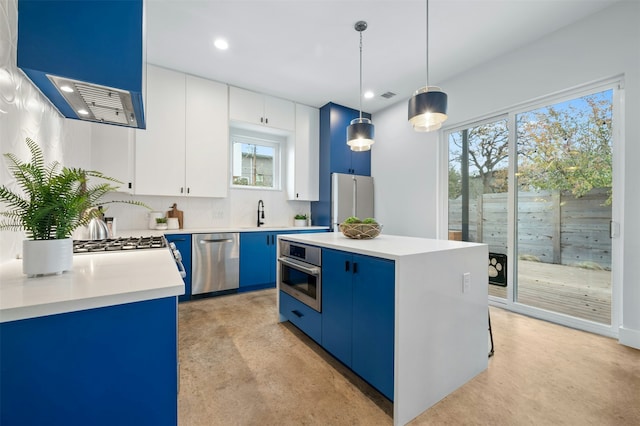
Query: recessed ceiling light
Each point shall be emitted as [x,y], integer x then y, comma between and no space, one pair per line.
[368,94]
[221,44]
[66,88]
[83,112]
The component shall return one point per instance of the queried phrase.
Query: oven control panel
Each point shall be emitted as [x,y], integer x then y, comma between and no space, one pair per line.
[303,252]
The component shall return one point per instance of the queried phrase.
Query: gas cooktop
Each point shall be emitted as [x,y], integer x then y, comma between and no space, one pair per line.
[117,244]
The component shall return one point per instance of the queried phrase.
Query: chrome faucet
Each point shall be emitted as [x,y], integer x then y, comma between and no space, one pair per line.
[260,213]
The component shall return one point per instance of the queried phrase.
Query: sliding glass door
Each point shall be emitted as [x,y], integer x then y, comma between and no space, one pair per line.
[478,193]
[564,199]
[536,185]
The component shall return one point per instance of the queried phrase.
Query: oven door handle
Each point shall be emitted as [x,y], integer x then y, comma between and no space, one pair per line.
[315,271]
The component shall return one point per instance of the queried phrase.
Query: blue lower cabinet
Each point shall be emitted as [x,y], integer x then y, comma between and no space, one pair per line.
[358,315]
[183,244]
[105,366]
[337,301]
[302,316]
[257,260]
[373,322]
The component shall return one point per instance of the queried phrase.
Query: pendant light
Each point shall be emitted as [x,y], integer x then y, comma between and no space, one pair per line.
[360,132]
[428,105]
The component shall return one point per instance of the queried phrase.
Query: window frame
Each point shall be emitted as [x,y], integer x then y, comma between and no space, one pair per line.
[249,137]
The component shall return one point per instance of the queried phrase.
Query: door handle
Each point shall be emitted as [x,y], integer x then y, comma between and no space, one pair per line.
[355,268]
[346,266]
[314,271]
[297,313]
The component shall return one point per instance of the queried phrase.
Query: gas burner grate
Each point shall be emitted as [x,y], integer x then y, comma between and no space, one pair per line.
[118,244]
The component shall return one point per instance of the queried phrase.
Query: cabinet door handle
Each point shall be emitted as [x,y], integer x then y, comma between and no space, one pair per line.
[262,119]
[178,239]
[182,190]
[267,240]
[346,266]
[355,268]
[188,190]
[273,239]
[297,313]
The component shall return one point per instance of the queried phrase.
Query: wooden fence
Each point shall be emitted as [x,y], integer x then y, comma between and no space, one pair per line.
[553,227]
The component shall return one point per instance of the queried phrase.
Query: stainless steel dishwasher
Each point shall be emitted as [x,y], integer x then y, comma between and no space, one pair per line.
[216,262]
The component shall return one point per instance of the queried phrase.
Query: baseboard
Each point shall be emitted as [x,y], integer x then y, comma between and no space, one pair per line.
[629,337]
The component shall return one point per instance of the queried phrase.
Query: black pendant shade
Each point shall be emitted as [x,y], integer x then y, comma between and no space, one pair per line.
[360,131]
[360,134]
[427,109]
[428,105]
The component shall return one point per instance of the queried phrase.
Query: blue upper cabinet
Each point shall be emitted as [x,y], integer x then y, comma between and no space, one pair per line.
[93,47]
[336,156]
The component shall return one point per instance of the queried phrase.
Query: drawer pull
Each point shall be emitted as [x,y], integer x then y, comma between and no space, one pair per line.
[297,313]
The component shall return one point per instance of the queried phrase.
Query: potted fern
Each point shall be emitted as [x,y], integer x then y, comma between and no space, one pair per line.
[52,202]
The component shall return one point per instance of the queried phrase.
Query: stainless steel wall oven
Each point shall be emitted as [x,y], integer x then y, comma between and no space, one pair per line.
[301,272]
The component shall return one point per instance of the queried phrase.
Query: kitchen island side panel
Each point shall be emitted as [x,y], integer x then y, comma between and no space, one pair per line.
[441,331]
[107,366]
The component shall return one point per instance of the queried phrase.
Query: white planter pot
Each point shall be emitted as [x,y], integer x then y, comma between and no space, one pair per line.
[40,257]
[300,222]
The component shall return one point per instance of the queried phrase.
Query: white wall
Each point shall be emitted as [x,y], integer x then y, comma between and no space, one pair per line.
[602,46]
[403,164]
[25,113]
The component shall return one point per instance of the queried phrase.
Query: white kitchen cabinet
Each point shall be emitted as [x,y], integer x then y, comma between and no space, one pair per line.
[303,155]
[256,108]
[112,153]
[160,149]
[184,150]
[207,138]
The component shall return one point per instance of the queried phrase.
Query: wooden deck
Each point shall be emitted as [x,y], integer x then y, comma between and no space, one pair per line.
[579,292]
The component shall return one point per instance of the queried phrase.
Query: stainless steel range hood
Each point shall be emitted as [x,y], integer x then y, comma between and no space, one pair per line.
[97,103]
[86,57]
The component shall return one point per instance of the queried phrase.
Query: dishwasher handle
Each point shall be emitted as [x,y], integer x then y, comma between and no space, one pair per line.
[315,271]
[221,240]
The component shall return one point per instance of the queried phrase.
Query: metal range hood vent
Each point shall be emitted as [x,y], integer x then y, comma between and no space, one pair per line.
[93,102]
[86,57]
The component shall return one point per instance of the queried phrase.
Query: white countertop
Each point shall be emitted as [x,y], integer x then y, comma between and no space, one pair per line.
[155,232]
[97,280]
[391,247]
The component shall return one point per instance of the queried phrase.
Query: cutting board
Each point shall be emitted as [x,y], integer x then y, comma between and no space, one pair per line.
[174,212]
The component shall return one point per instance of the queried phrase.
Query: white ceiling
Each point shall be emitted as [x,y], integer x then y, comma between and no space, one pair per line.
[308,50]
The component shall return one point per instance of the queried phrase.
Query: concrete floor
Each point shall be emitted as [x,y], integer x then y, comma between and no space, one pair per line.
[239,366]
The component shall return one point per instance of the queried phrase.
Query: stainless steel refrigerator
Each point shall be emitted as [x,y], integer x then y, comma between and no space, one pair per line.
[351,195]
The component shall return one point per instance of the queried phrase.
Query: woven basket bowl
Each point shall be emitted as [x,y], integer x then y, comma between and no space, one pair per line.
[360,231]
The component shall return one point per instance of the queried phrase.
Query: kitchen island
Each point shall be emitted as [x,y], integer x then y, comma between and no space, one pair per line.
[94,345]
[418,308]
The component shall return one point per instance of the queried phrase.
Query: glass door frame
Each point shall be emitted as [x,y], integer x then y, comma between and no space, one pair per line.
[617,85]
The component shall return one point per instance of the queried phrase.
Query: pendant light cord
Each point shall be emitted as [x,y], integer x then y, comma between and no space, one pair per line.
[427,43]
[360,74]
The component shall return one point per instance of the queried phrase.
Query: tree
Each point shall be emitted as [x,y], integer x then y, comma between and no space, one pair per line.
[567,146]
[488,154]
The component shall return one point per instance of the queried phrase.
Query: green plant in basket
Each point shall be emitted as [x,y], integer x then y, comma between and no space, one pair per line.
[352,219]
[370,221]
